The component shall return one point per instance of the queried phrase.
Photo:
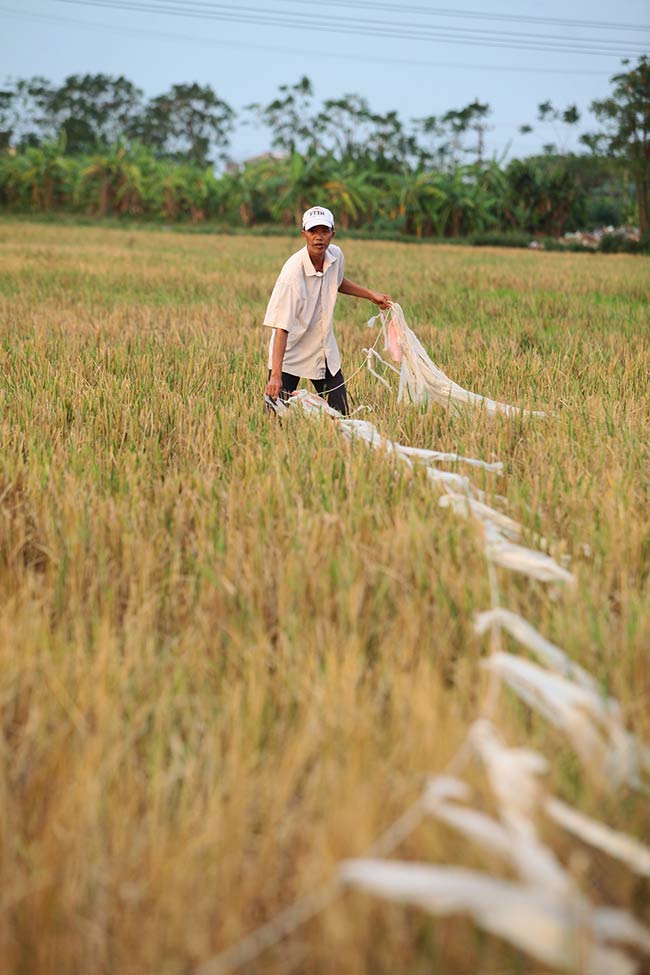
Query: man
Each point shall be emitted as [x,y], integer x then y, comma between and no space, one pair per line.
[301,314]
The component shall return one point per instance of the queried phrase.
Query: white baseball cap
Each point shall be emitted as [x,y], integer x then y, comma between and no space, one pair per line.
[317,217]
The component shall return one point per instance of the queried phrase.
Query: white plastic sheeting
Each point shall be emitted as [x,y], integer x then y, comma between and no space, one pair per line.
[620,846]
[543,649]
[363,430]
[591,722]
[500,535]
[421,379]
[548,926]
[534,564]
[545,891]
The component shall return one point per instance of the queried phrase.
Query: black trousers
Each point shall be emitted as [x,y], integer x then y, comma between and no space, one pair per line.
[332,386]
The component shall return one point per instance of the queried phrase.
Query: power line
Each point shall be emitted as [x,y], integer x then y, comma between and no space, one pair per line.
[374,6]
[334,55]
[200,7]
[260,17]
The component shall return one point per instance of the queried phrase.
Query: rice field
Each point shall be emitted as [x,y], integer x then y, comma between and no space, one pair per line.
[232,651]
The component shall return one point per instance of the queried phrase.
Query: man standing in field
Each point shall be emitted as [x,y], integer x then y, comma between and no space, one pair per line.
[301,314]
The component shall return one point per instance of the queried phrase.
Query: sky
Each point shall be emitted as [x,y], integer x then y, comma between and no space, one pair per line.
[415,57]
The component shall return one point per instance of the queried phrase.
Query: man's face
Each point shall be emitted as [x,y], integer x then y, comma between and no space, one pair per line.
[318,238]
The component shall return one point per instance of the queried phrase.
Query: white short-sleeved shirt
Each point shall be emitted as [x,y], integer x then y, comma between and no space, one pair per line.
[302,304]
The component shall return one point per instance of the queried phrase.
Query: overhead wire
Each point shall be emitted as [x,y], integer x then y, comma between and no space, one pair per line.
[260,16]
[374,7]
[335,55]
[471,32]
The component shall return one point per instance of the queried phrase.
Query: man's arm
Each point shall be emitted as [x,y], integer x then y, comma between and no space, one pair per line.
[274,384]
[348,287]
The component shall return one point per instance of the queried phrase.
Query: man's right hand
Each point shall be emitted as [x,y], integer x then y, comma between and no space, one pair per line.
[273,387]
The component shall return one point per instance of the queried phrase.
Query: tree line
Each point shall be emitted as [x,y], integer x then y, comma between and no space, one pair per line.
[94,144]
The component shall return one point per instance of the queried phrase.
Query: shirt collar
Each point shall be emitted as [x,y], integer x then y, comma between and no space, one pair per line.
[330,257]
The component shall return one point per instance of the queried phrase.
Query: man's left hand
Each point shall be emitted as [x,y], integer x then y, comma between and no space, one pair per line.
[384,301]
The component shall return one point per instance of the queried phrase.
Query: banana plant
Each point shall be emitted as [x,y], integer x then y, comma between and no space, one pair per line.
[111,182]
[44,174]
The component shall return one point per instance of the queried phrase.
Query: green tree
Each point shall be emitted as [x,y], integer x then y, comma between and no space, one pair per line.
[433,147]
[609,189]
[289,118]
[543,193]
[443,137]
[6,103]
[189,123]
[25,118]
[562,122]
[93,111]
[471,118]
[343,126]
[348,130]
[626,117]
